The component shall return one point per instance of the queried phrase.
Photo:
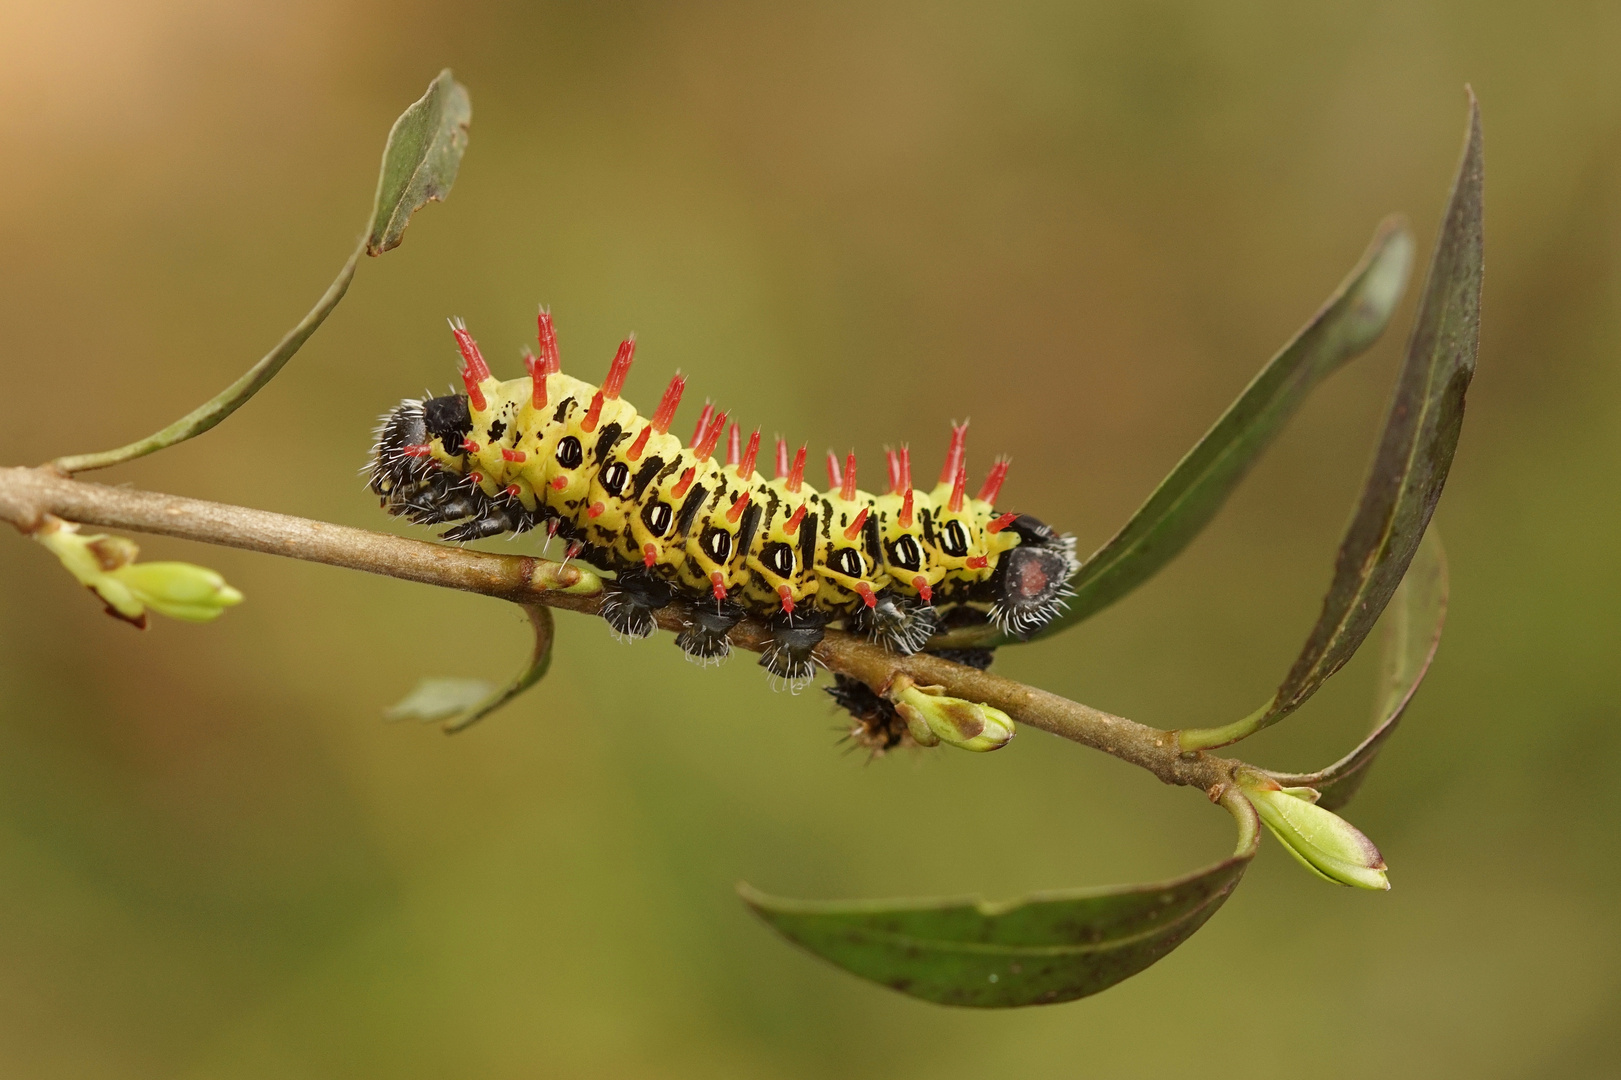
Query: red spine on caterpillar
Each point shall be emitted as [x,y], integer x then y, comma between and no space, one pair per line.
[1001,523]
[959,439]
[737,508]
[792,524]
[787,596]
[620,367]
[796,475]
[866,592]
[958,487]
[734,445]
[782,457]
[706,447]
[835,479]
[559,483]
[751,453]
[469,446]
[537,380]
[855,526]
[684,483]
[512,455]
[589,421]
[704,417]
[417,451]
[906,468]
[894,462]
[921,584]
[669,403]
[513,491]
[905,516]
[596,509]
[650,554]
[551,362]
[476,370]
[976,562]
[993,482]
[639,445]
[848,491]
[717,585]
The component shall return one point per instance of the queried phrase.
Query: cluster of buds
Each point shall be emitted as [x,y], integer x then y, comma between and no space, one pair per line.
[933,718]
[106,565]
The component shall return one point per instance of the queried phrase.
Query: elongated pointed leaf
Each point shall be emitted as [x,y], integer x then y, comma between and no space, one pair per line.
[1347,324]
[1413,625]
[1046,948]
[424,151]
[1410,467]
[460,703]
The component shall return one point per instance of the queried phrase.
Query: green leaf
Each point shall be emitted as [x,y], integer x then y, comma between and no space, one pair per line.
[1410,467]
[419,165]
[460,703]
[1347,324]
[424,151]
[1046,948]
[1413,625]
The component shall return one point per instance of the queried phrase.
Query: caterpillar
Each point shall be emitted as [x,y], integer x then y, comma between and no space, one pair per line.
[674,525]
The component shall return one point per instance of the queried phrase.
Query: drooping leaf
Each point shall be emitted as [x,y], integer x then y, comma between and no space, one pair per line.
[1346,326]
[419,164]
[1413,625]
[460,703]
[1046,948]
[1410,467]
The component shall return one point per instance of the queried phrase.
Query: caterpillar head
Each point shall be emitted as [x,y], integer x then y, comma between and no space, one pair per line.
[1031,583]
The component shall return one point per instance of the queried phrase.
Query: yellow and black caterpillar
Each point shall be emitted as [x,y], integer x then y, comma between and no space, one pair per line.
[676,526]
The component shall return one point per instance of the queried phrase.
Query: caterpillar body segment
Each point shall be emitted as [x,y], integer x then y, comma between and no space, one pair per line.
[677,525]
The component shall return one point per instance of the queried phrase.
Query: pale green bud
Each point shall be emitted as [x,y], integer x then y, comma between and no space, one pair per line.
[1323,842]
[106,564]
[933,718]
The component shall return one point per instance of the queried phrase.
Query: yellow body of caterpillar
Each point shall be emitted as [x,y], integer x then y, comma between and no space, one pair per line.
[676,524]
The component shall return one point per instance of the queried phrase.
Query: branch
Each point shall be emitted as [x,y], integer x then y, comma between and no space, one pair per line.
[27,495]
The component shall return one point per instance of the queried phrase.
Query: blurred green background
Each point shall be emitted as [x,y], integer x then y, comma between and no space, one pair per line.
[1084,224]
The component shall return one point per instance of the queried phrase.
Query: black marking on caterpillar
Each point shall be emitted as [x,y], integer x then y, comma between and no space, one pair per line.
[678,526]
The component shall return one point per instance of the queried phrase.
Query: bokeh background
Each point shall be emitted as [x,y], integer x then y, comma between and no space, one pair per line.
[1083,224]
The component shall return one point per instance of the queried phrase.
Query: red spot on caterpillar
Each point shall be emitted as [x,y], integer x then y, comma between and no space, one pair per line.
[650,554]
[596,509]
[717,585]
[620,367]
[866,594]
[1001,523]
[639,445]
[737,508]
[512,455]
[475,394]
[993,482]
[513,491]
[703,423]
[537,381]
[707,447]
[977,562]
[959,439]
[905,516]
[417,451]
[734,445]
[848,491]
[906,467]
[894,463]
[593,414]
[469,446]
[745,469]
[957,488]
[855,526]
[835,479]
[787,595]
[684,483]
[792,523]
[551,527]
[476,478]
[921,584]
[782,457]
[551,362]
[796,475]
[668,403]
[560,483]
